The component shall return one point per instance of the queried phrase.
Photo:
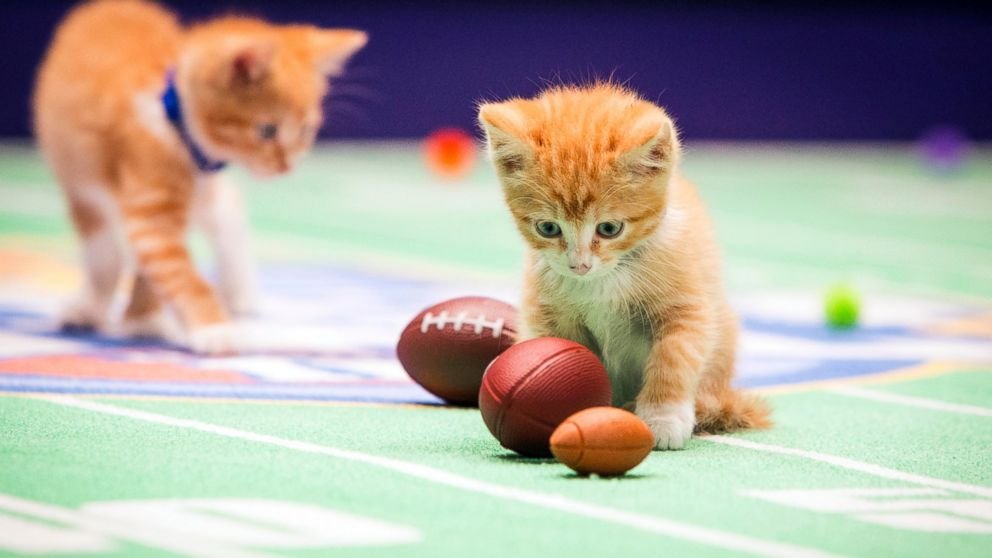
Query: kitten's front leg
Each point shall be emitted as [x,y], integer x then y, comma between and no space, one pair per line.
[542,318]
[667,400]
[544,321]
[155,214]
[220,209]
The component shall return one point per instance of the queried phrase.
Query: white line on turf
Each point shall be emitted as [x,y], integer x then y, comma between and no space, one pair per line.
[933,404]
[185,545]
[674,529]
[854,465]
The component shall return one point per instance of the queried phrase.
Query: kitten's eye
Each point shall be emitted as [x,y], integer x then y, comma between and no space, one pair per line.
[548,229]
[267,131]
[609,229]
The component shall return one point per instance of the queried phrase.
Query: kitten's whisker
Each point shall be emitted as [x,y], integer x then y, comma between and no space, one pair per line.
[345,110]
[352,90]
[355,71]
[614,189]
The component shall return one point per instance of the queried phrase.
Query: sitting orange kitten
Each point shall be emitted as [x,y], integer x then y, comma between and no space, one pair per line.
[136,114]
[621,253]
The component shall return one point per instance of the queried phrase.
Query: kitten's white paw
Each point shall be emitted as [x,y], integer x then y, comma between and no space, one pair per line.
[215,339]
[671,423]
[241,298]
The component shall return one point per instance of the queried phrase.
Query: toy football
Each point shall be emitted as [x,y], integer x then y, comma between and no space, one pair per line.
[447,347]
[603,441]
[534,386]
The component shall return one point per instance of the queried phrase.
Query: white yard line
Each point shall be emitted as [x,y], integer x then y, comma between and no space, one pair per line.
[922,402]
[810,276]
[667,527]
[897,249]
[854,465]
[185,545]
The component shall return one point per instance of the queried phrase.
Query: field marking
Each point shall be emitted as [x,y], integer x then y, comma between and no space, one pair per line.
[769,271]
[234,400]
[855,465]
[973,326]
[923,510]
[25,536]
[671,528]
[379,261]
[901,252]
[933,404]
[926,370]
[186,545]
[254,522]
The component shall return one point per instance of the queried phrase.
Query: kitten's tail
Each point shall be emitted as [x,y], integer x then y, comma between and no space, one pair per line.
[731,410]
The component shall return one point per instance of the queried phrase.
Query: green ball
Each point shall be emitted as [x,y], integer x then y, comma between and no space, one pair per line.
[841,306]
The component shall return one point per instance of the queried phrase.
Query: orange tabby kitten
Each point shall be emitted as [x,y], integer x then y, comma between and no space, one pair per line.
[621,253]
[135,113]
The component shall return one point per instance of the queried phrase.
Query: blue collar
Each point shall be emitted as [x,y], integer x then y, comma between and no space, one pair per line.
[174,112]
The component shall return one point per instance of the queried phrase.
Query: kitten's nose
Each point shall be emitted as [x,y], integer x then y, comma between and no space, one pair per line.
[580,269]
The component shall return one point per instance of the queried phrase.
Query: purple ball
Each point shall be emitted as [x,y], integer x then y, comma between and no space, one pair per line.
[943,148]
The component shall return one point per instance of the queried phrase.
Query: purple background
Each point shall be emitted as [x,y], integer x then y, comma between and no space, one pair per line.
[767,71]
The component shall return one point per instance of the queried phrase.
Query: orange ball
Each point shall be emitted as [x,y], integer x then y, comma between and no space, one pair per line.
[603,441]
[450,153]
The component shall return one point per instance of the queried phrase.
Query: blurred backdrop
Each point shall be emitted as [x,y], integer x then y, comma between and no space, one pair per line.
[766,71]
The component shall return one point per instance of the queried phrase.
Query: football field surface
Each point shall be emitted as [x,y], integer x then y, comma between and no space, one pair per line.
[314,442]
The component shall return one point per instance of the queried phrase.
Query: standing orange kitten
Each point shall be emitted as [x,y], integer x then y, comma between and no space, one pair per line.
[135,114]
[622,257]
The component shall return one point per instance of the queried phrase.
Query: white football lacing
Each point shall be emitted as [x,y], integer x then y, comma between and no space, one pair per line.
[479,322]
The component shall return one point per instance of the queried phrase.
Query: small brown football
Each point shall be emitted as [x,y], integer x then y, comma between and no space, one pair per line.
[447,347]
[603,441]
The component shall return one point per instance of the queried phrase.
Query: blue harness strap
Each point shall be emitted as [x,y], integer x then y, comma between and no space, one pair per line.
[174,112]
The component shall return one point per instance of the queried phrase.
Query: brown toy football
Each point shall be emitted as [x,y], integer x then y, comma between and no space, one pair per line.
[603,441]
[534,386]
[447,347]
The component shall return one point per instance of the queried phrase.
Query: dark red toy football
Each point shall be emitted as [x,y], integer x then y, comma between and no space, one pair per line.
[448,346]
[534,386]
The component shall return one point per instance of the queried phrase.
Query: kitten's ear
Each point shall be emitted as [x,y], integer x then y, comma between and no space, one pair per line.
[658,148]
[503,125]
[333,47]
[250,61]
